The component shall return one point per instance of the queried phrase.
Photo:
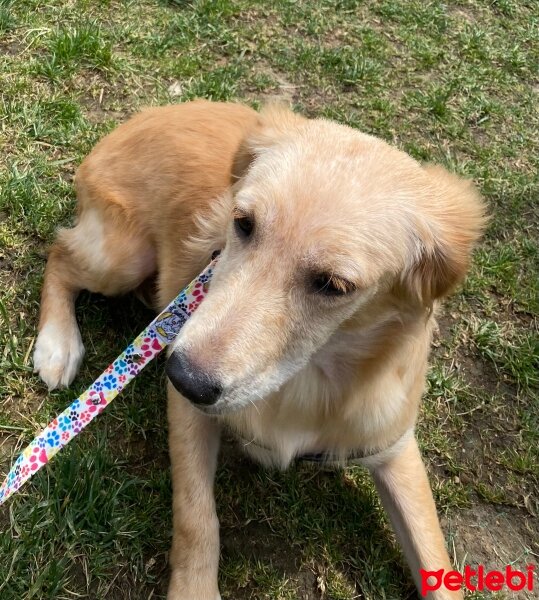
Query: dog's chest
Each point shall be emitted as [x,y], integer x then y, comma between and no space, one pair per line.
[312,416]
[278,433]
[280,451]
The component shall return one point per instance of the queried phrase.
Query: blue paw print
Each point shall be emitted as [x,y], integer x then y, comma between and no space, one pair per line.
[65,423]
[41,443]
[53,438]
[109,381]
[97,386]
[120,366]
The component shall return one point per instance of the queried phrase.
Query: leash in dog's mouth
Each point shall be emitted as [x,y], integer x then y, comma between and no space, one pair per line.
[142,350]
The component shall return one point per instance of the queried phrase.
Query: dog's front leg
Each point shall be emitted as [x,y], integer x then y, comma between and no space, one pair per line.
[407,497]
[194,558]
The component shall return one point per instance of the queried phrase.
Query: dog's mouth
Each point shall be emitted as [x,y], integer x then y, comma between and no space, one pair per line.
[212,396]
[220,408]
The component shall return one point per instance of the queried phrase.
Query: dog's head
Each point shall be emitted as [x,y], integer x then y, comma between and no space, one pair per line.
[324,223]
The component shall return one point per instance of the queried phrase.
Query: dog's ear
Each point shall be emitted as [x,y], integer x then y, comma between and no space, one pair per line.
[454,219]
[275,123]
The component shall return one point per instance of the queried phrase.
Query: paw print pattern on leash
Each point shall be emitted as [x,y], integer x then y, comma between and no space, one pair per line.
[146,346]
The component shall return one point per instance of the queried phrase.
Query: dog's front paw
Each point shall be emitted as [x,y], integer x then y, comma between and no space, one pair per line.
[185,587]
[58,355]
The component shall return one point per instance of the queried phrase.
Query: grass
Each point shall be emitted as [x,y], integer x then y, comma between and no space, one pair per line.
[454,83]
[70,49]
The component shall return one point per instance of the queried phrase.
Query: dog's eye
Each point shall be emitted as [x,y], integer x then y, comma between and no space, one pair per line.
[244,225]
[331,285]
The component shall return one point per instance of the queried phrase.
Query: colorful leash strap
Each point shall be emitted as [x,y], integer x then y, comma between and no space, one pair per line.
[146,346]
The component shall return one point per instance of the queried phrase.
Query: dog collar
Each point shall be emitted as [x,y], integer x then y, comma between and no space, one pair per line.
[144,348]
[370,459]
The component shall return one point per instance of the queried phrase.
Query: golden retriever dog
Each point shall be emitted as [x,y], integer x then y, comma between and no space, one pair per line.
[314,337]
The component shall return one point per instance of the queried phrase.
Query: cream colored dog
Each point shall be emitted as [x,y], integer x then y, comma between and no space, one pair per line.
[315,334]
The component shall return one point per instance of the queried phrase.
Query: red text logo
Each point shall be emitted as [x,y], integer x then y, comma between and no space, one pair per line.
[477,579]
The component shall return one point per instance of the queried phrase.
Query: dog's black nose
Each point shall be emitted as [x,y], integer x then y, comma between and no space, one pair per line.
[190,381]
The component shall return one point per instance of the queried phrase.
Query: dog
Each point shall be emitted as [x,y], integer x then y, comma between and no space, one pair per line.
[335,250]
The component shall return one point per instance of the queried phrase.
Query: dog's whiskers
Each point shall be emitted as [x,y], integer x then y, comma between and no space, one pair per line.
[256,407]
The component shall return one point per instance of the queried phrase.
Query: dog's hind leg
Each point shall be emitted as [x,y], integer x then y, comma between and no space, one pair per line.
[103,253]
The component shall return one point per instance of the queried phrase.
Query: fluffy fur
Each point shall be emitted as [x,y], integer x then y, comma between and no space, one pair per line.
[298,369]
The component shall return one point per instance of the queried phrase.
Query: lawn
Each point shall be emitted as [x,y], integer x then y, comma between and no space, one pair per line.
[453,82]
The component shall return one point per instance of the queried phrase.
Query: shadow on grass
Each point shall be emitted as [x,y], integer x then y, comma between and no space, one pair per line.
[309,529]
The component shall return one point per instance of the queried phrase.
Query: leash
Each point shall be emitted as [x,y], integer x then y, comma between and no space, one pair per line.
[82,411]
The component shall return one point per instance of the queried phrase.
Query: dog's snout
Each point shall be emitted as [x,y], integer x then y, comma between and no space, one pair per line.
[193,383]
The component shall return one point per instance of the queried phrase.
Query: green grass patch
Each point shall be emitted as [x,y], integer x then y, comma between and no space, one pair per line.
[69,49]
